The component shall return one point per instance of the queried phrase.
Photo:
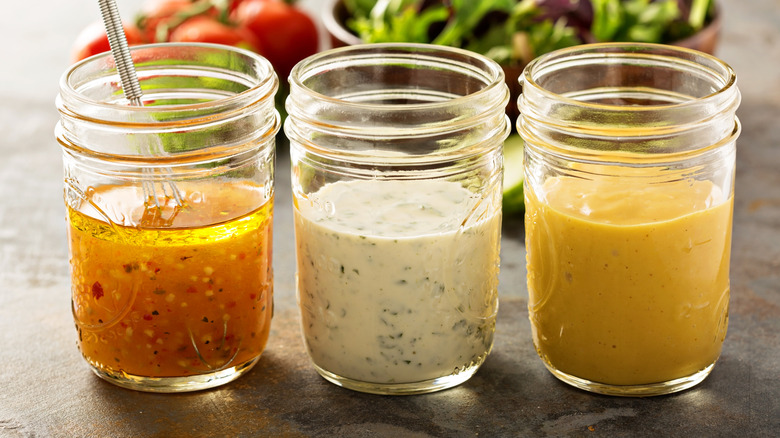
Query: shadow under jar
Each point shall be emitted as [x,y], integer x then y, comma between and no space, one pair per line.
[629,167]
[397,167]
[169,210]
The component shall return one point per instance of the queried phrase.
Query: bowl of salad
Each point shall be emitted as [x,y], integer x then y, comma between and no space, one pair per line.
[513,32]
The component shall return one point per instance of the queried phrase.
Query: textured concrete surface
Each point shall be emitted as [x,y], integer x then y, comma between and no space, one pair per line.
[47,390]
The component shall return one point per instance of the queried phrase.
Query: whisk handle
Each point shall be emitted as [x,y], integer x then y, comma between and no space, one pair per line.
[119,48]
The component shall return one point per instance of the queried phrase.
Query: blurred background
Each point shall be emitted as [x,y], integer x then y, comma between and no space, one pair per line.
[52,27]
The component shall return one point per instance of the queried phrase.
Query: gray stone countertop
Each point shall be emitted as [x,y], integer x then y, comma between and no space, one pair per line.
[46,388]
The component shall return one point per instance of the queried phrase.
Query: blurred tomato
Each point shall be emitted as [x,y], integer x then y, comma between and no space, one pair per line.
[233,4]
[158,18]
[93,40]
[202,29]
[164,8]
[286,33]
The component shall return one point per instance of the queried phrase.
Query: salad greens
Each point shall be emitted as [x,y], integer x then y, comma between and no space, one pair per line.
[513,32]
[505,30]
[632,20]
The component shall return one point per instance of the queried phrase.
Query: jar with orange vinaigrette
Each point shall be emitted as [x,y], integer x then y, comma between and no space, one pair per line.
[169,212]
[629,165]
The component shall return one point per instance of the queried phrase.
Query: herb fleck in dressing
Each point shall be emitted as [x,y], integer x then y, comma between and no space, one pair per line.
[392,288]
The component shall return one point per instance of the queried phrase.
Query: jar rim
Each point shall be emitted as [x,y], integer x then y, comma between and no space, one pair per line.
[636,50]
[490,71]
[644,101]
[201,99]
[68,91]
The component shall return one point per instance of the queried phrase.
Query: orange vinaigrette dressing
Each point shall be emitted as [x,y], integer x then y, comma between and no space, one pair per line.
[178,301]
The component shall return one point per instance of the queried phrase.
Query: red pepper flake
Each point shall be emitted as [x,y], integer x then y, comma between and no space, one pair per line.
[241,256]
[191,290]
[97,290]
[252,296]
[157,270]
[147,317]
[231,304]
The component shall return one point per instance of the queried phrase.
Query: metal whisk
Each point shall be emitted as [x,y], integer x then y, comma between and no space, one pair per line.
[132,90]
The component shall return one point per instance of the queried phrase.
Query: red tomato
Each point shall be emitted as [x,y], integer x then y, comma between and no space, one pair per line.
[233,5]
[93,40]
[163,7]
[286,33]
[202,29]
[158,18]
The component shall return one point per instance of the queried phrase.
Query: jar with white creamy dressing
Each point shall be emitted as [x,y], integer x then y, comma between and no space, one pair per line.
[396,154]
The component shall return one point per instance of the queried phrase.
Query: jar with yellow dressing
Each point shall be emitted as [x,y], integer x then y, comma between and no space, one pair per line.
[629,162]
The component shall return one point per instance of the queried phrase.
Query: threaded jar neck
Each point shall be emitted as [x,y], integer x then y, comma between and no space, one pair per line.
[201,102]
[628,101]
[397,105]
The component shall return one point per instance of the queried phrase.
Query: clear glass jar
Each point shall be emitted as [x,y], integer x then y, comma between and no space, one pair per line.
[169,210]
[397,167]
[629,162]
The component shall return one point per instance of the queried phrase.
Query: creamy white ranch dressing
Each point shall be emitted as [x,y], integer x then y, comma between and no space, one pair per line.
[391,288]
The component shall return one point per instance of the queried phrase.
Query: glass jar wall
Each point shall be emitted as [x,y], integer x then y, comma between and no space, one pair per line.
[169,209]
[397,166]
[629,167]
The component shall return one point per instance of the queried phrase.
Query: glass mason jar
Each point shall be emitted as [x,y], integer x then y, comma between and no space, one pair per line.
[169,210]
[396,154]
[629,163]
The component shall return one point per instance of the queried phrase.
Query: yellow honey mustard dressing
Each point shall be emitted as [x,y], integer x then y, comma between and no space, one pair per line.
[191,298]
[628,283]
